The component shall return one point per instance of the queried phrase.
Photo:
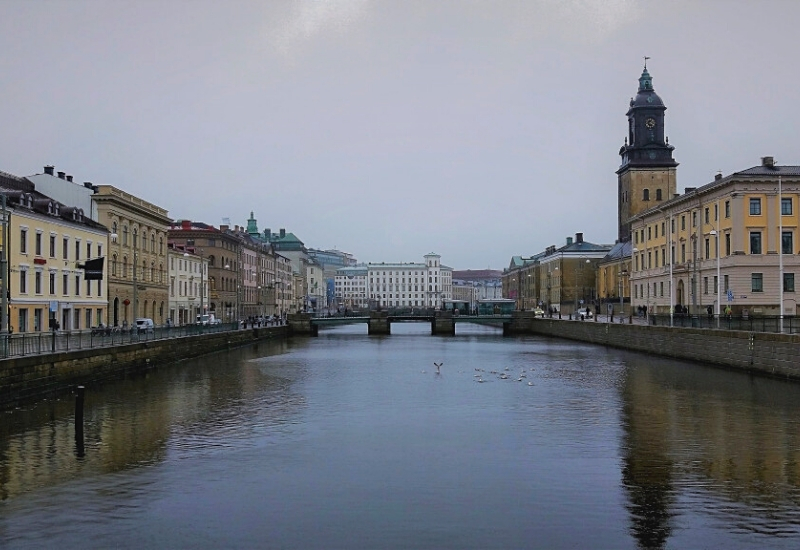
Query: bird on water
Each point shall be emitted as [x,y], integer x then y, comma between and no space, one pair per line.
[438,366]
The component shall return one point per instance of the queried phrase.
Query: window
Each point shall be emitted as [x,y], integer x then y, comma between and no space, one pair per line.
[706,214]
[124,235]
[726,279]
[755,242]
[716,284]
[23,281]
[694,218]
[65,248]
[683,253]
[788,282]
[37,282]
[88,251]
[65,284]
[683,223]
[23,241]
[646,195]
[77,250]
[77,285]
[755,207]
[705,285]
[787,246]
[658,195]
[716,212]
[727,244]
[52,246]
[786,206]
[727,209]
[708,248]
[38,243]
[52,283]
[757,282]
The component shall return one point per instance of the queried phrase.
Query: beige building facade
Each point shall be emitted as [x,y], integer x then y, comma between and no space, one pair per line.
[732,243]
[138,284]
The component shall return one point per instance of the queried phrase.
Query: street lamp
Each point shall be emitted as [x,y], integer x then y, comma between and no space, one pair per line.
[622,274]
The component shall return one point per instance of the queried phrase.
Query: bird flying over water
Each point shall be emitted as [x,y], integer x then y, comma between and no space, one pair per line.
[438,365]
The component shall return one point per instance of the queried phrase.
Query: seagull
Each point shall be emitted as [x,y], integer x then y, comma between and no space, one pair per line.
[437,365]
[530,383]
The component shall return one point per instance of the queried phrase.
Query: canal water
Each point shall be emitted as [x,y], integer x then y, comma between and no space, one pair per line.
[356,442]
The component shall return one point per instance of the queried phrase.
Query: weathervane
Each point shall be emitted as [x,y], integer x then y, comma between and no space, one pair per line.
[645,62]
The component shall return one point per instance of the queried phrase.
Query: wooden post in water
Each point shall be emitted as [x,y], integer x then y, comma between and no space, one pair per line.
[79,399]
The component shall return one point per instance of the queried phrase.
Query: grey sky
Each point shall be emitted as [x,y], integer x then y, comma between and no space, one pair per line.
[389,129]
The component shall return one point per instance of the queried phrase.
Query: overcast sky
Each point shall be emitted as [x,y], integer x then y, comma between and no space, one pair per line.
[475,129]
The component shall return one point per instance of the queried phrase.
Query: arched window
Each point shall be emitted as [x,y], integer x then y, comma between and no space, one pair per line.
[114,265]
[658,195]
[153,242]
[152,271]
[211,261]
[124,235]
[646,195]
[124,267]
[212,283]
[114,228]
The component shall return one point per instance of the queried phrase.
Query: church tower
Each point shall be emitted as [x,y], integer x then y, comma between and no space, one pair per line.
[647,173]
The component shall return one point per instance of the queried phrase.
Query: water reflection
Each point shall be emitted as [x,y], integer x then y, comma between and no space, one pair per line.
[702,442]
[127,423]
[353,441]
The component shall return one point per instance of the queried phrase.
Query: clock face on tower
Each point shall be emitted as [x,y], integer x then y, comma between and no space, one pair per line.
[650,122]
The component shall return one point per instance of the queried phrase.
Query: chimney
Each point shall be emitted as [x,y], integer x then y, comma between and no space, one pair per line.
[688,190]
[186,225]
[718,176]
[769,162]
[569,241]
[578,237]
[69,178]
[224,228]
[49,170]
[87,184]
[283,233]
[61,175]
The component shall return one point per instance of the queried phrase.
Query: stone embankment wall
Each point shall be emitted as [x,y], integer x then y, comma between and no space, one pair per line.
[766,353]
[35,376]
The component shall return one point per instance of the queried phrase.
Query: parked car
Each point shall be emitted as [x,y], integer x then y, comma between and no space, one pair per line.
[583,313]
[539,312]
[208,319]
[144,324]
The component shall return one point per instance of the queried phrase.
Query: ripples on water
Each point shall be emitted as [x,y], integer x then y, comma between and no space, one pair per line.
[349,441]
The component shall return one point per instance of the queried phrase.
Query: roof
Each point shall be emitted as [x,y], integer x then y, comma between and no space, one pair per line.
[619,251]
[756,171]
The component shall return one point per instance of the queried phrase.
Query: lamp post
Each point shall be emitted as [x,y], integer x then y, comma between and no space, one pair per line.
[135,260]
[622,275]
[578,267]
[719,281]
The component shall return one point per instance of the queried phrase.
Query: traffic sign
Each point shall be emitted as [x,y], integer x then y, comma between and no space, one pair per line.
[730,295]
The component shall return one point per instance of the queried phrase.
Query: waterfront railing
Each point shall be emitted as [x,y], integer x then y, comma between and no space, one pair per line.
[35,343]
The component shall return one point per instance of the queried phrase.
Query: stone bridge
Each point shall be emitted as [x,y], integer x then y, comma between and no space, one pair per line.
[380,322]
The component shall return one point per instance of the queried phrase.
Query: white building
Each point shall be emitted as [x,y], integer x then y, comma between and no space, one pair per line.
[188,286]
[425,284]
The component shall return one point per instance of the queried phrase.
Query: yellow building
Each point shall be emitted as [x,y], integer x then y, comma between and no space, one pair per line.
[47,245]
[726,244]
